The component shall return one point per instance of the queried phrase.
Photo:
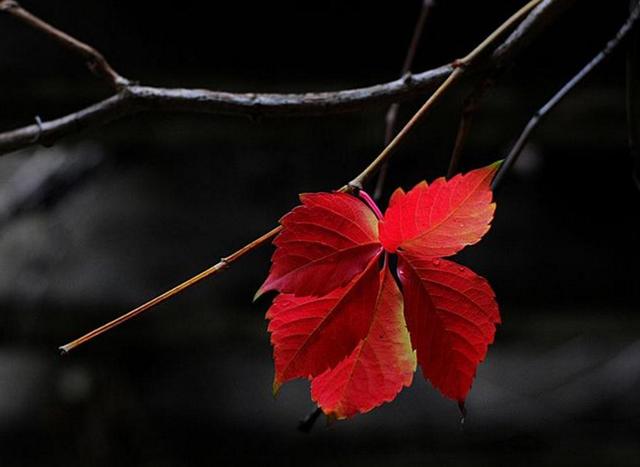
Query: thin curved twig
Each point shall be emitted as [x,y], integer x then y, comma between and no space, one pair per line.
[546,108]
[391,116]
[471,104]
[633,102]
[94,59]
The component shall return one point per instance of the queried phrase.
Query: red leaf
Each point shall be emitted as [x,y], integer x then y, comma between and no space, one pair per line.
[378,368]
[341,323]
[440,219]
[311,334]
[324,243]
[451,314]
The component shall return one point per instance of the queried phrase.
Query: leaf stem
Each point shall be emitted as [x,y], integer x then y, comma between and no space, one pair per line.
[369,201]
[306,424]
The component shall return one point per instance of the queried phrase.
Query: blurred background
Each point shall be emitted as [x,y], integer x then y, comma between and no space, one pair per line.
[105,220]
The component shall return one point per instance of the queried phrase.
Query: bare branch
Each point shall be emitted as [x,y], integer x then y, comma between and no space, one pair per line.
[530,28]
[633,102]
[469,109]
[94,59]
[134,99]
[47,133]
[545,109]
[392,112]
[427,5]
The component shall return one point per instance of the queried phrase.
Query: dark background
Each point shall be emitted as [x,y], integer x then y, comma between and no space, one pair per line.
[105,220]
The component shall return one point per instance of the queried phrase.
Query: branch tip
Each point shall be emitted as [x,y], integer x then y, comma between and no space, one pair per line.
[306,424]
[6,5]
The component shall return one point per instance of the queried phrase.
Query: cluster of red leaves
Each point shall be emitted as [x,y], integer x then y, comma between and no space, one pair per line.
[342,321]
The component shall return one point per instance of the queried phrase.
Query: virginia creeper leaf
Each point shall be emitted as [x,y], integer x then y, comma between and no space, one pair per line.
[344,324]
[442,218]
[378,368]
[324,243]
[451,315]
[311,334]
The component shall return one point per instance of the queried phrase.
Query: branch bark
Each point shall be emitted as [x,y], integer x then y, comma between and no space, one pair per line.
[133,99]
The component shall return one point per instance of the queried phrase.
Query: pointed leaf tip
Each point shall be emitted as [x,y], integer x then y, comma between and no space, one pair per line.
[497,164]
[257,295]
[275,388]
